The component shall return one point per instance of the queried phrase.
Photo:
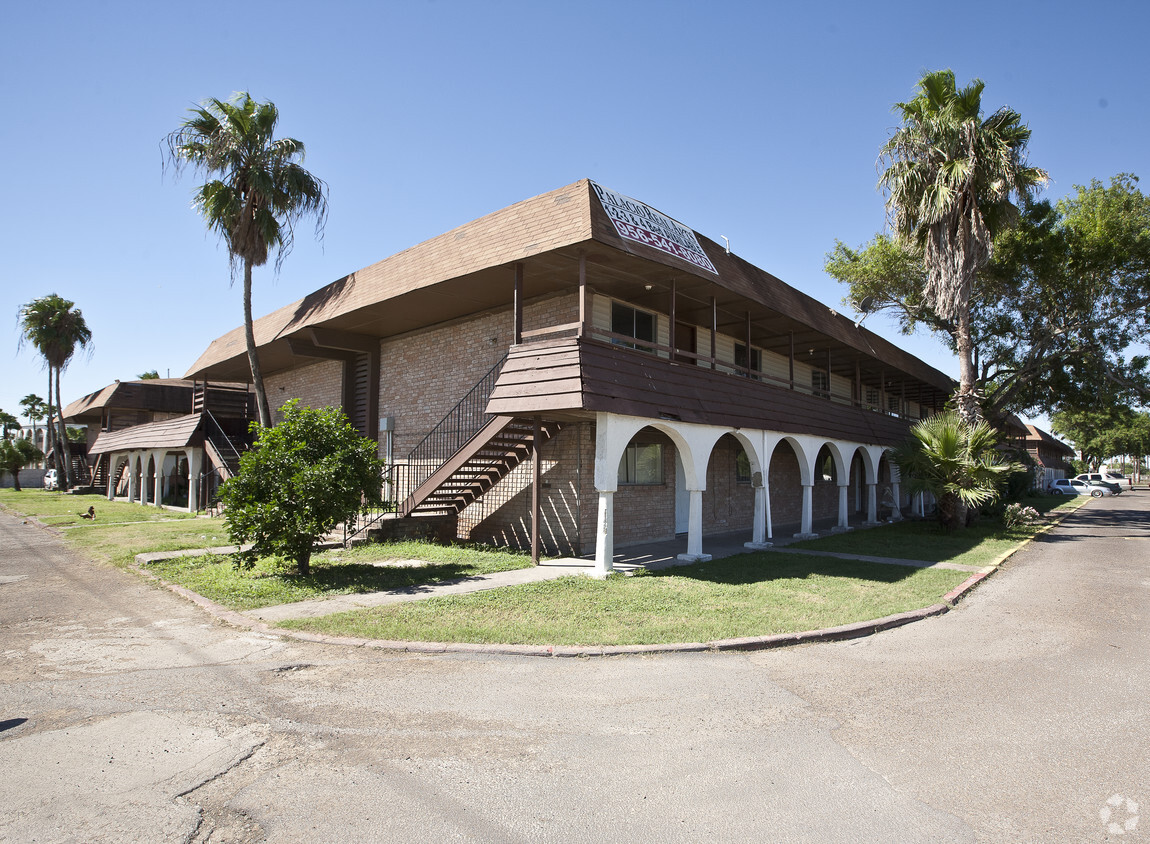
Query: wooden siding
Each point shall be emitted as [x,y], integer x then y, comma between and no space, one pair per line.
[589,375]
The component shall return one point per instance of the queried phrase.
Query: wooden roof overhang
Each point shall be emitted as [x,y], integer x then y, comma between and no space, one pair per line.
[572,378]
[181,432]
[471,271]
[163,395]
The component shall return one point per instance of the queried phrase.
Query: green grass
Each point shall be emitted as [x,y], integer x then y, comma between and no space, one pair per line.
[336,572]
[745,595]
[978,545]
[60,509]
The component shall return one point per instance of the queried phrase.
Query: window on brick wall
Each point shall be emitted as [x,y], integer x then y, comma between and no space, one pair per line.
[633,323]
[894,405]
[742,467]
[641,464]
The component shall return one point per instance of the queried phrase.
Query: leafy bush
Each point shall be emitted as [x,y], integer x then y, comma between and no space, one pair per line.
[301,478]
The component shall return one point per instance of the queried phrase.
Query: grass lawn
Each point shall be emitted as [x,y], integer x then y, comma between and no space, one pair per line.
[745,595]
[978,545]
[336,572]
[121,530]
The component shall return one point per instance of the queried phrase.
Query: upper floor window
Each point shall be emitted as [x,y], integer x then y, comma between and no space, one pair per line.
[632,322]
[872,397]
[756,364]
[894,405]
[820,384]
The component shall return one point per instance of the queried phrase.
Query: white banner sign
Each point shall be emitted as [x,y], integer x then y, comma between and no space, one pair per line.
[643,224]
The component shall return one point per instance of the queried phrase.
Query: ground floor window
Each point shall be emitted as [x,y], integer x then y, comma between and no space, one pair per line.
[641,464]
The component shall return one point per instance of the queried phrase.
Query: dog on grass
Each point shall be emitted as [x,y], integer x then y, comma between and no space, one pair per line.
[91,514]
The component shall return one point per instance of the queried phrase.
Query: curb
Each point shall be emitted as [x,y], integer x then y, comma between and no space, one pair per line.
[854,630]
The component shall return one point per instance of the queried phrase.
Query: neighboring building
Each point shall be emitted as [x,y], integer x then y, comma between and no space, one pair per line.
[1050,455]
[669,386]
[163,440]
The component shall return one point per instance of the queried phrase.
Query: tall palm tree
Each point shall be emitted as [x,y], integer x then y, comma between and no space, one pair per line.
[950,176]
[257,192]
[8,423]
[56,328]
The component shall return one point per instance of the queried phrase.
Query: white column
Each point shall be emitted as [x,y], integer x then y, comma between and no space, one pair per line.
[158,479]
[605,535]
[133,486]
[805,529]
[759,528]
[844,522]
[195,466]
[896,493]
[767,505]
[872,504]
[695,530]
[111,479]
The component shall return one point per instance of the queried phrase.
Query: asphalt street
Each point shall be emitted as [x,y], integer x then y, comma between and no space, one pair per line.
[127,714]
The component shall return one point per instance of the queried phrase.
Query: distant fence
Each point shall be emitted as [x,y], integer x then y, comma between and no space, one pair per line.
[28,477]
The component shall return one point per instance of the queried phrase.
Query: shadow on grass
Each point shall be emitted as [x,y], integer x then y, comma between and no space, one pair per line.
[749,569]
[361,577]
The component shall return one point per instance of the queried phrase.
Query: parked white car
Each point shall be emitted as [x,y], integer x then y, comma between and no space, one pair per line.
[1101,479]
[1073,486]
[50,480]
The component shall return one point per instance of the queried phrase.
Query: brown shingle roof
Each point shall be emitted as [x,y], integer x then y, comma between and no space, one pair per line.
[171,433]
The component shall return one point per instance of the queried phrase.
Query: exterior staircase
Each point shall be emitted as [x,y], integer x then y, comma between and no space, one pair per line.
[459,462]
[486,459]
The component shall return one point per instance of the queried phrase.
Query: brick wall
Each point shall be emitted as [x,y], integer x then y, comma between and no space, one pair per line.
[314,384]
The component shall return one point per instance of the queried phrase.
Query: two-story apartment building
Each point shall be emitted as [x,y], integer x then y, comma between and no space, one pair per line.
[580,370]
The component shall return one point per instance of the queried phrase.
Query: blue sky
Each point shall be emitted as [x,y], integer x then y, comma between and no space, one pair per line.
[757,121]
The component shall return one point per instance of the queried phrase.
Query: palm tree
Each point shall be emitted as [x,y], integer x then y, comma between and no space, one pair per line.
[15,455]
[956,462]
[34,410]
[259,192]
[8,423]
[949,178]
[56,328]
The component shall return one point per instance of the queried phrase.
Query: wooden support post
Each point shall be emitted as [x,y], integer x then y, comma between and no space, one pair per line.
[902,400]
[828,372]
[714,331]
[582,294]
[792,360]
[536,477]
[517,326]
[673,319]
[858,387]
[750,357]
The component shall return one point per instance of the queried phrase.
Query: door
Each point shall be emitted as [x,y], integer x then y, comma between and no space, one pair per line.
[684,341]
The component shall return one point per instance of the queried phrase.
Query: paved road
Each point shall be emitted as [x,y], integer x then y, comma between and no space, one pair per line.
[128,715]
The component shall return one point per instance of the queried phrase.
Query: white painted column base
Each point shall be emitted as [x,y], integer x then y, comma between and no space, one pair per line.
[695,531]
[605,536]
[871,505]
[844,524]
[806,530]
[759,530]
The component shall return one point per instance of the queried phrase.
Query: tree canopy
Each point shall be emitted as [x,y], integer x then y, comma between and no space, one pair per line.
[1056,315]
[950,176]
[302,477]
[56,328]
[255,194]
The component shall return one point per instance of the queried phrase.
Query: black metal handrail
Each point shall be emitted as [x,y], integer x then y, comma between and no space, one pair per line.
[443,442]
[453,432]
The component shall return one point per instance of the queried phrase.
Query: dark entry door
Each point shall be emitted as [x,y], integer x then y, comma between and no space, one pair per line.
[684,341]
